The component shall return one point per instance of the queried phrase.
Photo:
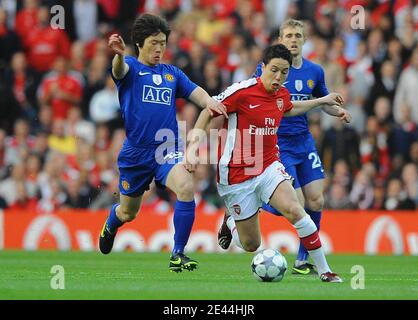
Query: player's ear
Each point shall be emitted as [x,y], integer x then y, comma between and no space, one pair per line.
[263,67]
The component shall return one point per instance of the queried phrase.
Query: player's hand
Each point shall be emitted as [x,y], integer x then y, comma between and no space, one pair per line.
[333,98]
[191,160]
[190,167]
[214,106]
[117,44]
[344,115]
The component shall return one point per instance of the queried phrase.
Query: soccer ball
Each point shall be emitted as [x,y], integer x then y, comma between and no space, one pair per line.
[269,266]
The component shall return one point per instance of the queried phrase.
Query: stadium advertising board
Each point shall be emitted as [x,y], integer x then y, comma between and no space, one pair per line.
[341,232]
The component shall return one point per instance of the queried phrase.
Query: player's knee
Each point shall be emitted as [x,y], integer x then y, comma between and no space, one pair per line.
[315,203]
[127,214]
[250,245]
[294,212]
[185,190]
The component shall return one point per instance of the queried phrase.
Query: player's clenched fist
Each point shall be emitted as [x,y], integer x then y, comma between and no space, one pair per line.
[117,44]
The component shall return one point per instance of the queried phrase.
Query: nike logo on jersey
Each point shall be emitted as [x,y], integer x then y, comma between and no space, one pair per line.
[285,82]
[255,106]
[143,73]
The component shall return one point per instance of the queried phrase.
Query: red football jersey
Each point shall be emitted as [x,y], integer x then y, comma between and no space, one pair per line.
[250,145]
[44,46]
[65,83]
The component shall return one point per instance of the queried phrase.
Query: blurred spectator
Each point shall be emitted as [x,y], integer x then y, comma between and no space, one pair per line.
[362,193]
[209,29]
[8,187]
[96,74]
[22,85]
[44,44]
[324,25]
[378,198]
[60,141]
[44,120]
[340,142]
[3,168]
[350,36]
[23,200]
[19,144]
[78,127]
[104,106]
[337,198]
[384,86]
[396,197]
[403,134]
[107,196]
[9,41]
[376,48]
[85,17]
[79,193]
[73,151]
[413,153]
[61,89]
[397,54]
[27,18]
[102,138]
[334,72]
[406,90]
[374,148]
[341,174]
[410,180]
[78,59]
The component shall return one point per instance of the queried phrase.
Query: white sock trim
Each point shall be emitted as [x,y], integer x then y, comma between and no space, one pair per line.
[305,226]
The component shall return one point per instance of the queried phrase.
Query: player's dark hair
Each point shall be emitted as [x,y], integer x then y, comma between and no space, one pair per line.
[277,51]
[147,25]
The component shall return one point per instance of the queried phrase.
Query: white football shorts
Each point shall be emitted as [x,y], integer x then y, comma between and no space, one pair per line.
[243,200]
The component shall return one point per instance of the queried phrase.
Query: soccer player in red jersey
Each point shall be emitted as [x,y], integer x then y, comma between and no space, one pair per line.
[249,168]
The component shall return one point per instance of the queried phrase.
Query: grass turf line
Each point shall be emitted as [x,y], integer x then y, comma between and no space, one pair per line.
[26,275]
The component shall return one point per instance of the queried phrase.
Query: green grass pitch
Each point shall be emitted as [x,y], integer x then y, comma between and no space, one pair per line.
[145,276]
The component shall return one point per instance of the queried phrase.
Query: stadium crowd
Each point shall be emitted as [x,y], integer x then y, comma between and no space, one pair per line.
[61,130]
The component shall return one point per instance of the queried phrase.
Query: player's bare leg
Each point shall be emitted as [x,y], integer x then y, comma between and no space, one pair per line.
[302,265]
[224,233]
[285,200]
[312,193]
[126,211]
[247,233]
[180,181]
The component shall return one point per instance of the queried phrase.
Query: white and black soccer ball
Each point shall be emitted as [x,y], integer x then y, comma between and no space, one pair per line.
[269,265]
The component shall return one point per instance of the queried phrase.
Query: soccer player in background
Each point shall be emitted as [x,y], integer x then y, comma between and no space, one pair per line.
[153,148]
[296,144]
[249,170]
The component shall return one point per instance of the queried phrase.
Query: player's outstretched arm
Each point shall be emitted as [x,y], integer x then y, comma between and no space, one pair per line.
[202,99]
[337,111]
[194,138]
[119,67]
[301,107]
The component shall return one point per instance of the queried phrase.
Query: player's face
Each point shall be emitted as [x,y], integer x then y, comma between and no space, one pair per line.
[293,39]
[153,49]
[275,74]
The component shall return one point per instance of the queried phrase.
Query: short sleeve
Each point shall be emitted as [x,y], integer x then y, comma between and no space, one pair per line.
[320,89]
[185,86]
[229,98]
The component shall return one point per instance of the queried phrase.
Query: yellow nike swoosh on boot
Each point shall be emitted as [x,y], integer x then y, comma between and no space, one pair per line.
[103,230]
[302,271]
[177,261]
